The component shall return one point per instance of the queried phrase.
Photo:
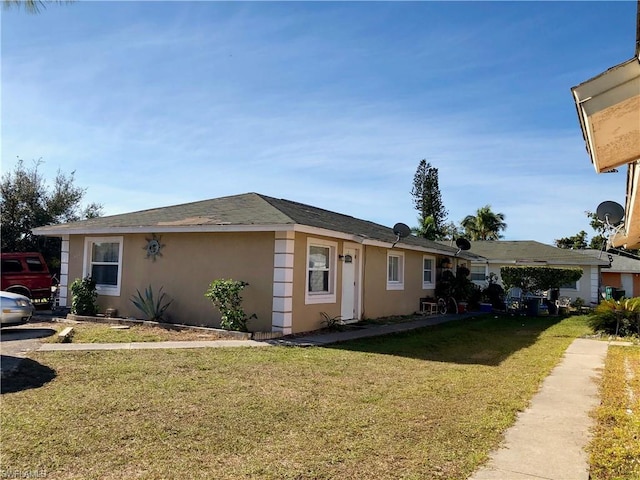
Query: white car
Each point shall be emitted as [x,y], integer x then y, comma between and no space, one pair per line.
[15,309]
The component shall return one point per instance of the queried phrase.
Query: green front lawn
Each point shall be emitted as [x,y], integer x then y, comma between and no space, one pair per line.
[428,404]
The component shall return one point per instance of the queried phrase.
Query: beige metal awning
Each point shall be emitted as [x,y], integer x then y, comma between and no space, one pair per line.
[609,112]
[629,235]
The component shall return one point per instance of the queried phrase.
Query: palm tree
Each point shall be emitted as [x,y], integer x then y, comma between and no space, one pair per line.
[31,6]
[426,228]
[484,225]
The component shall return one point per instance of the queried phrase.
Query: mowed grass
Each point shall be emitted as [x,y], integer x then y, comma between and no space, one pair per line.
[615,448]
[428,404]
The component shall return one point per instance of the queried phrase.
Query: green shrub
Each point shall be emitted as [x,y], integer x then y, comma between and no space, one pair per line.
[532,279]
[225,295]
[617,317]
[84,295]
[153,309]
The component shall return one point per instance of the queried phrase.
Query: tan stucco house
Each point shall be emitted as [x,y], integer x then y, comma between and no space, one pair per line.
[490,256]
[608,107]
[300,261]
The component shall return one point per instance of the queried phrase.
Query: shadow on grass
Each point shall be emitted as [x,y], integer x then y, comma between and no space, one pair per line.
[485,340]
[24,374]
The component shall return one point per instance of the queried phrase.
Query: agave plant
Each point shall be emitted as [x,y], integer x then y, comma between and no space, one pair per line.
[152,308]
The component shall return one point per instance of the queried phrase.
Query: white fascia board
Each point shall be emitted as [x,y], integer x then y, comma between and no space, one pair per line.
[56,232]
[402,246]
[323,232]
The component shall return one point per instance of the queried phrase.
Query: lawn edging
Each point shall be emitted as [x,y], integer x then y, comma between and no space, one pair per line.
[229,334]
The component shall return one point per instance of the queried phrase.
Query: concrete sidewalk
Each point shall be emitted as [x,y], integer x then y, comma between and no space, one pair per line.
[58,347]
[549,438]
[366,331]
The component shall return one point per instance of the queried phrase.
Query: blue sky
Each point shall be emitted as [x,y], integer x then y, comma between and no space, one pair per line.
[328,103]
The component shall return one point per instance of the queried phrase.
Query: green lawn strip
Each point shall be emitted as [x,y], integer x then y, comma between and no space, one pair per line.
[615,447]
[428,404]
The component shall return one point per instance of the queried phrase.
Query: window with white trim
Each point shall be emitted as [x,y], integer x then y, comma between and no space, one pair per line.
[478,273]
[321,271]
[103,263]
[395,271]
[570,286]
[428,272]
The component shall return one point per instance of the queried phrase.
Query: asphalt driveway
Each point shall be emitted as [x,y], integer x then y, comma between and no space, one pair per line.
[17,342]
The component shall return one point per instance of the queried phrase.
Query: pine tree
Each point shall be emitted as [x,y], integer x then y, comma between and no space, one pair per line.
[428,201]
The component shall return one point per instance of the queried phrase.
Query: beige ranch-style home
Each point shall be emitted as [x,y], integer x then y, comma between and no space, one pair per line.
[301,262]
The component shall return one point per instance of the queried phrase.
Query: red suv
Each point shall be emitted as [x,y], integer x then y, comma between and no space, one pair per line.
[26,273]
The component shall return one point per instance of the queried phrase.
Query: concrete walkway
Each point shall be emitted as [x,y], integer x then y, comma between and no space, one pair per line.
[373,330]
[58,347]
[549,438]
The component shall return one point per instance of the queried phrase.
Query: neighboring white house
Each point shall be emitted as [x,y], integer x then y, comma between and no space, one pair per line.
[490,256]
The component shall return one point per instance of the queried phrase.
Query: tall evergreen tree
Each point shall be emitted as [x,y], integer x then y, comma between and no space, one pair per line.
[428,201]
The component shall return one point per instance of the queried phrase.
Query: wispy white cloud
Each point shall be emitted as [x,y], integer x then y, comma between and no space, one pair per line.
[190,101]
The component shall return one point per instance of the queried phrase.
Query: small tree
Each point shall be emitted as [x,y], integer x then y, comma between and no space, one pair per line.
[26,202]
[577,242]
[225,295]
[85,296]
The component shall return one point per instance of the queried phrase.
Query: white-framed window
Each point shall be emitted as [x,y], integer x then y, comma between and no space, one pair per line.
[395,270]
[428,272]
[321,271]
[570,286]
[478,273]
[103,263]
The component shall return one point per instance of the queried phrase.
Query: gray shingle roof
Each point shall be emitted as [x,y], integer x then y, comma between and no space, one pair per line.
[620,263]
[249,209]
[531,252]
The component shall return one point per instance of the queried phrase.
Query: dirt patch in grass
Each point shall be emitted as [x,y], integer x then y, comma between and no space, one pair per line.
[105,333]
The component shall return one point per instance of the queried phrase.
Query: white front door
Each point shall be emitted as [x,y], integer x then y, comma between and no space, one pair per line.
[350,284]
[627,285]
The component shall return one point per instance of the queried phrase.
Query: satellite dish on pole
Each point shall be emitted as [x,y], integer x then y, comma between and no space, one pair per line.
[462,244]
[611,213]
[400,230]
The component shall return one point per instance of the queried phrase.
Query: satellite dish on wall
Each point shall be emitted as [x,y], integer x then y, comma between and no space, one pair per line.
[400,230]
[610,212]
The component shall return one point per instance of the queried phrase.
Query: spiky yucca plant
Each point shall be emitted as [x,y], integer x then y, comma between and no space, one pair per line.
[152,308]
